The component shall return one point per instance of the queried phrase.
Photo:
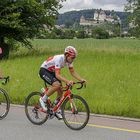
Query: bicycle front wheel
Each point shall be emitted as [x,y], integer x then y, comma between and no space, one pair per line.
[75,112]
[4,104]
[33,109]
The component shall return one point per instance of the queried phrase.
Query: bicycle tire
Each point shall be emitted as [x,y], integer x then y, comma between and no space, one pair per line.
[31,105]
[4,104]
[80,105]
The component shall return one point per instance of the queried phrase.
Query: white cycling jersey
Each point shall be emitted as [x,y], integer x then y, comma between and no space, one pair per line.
[55,62]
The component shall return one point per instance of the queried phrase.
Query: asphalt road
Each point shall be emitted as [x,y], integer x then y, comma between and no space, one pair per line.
[17,127]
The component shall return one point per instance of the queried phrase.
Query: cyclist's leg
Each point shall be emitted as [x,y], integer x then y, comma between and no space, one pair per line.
[58,114]
[56,101]
[59,93]
[55,87]
[59,96]
[49,77]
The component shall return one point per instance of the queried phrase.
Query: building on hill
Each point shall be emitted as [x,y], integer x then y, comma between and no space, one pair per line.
[89,22]
[99,18]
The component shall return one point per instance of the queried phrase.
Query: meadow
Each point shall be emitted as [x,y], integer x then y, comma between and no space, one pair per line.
[111,68]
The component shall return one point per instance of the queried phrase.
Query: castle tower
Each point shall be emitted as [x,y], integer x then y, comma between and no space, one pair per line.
[96,15]
[82,19]
[102,15]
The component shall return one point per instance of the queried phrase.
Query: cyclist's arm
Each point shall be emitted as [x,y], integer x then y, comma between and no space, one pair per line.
[74,74]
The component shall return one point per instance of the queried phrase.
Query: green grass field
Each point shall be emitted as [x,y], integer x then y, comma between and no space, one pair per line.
[111,68]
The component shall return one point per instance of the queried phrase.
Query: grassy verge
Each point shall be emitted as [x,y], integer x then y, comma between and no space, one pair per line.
[111,68]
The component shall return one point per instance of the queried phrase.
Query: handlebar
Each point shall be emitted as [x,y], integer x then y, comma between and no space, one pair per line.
[5,80]
[70,86]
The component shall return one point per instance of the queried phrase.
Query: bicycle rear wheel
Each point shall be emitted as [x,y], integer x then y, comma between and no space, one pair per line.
[33,109]
[4,104]
[76,113]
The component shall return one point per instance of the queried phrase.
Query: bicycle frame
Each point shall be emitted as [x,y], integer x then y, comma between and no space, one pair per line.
[66,94]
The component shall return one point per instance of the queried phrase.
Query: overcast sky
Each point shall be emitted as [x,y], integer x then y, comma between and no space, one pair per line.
[69,5]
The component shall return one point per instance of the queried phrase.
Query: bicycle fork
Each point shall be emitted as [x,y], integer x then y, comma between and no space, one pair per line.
[73,106]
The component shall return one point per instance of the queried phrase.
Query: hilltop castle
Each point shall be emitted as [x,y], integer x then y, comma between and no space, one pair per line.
[99,17]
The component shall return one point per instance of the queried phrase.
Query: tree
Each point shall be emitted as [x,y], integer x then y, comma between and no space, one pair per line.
[69,34]
[100,33]
[24,19]
[81,34]
[134,7]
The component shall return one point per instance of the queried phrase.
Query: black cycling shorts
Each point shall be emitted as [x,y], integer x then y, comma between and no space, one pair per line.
[47,76]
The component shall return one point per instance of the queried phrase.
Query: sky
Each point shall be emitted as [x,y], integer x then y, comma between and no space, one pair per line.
[69,5]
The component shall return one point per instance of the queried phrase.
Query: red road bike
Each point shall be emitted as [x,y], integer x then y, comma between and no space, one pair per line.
[75,110]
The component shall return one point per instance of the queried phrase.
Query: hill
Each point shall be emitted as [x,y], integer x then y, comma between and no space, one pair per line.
[74,16]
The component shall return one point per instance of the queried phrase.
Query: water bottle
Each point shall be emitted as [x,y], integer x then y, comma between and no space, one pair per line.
[42,90]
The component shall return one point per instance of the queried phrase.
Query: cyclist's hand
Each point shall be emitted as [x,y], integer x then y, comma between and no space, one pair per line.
[84,82]
[70,83]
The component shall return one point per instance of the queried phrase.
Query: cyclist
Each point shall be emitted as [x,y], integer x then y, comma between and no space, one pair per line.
[50,73]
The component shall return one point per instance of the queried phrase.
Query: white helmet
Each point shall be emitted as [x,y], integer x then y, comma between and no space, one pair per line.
[71,51]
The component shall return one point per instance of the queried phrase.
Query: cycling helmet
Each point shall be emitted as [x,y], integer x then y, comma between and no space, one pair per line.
[71,51]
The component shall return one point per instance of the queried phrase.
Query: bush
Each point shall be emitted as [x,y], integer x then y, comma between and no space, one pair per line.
[100,33]
[81,34]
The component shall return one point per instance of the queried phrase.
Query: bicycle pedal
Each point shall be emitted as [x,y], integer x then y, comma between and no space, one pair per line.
[50,116]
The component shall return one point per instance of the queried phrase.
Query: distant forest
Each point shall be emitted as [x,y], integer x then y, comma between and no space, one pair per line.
[74,16]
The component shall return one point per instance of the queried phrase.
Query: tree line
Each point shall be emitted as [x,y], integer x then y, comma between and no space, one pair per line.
[65,33]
